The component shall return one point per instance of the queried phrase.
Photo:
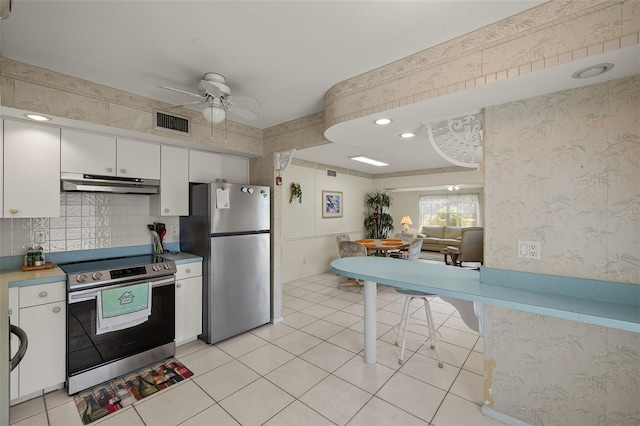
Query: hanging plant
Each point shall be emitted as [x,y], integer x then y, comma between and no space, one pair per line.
[378,222]
[296,192]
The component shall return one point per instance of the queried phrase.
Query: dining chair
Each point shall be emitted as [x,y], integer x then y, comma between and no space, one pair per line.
[342,237]
[471,247]
[410,253]
[351,249]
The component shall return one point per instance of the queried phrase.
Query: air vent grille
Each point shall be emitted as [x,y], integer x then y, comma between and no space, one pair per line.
[332,173]
[173,123]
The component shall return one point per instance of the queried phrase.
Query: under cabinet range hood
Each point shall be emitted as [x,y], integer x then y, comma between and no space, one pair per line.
[80,182]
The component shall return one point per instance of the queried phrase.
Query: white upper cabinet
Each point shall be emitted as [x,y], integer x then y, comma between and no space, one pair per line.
[1,166]
[173,199]
[91,153]
[31,170]
[204,167]
[138,159]
[235,169]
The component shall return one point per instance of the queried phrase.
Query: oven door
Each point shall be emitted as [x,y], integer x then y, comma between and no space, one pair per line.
[93,358]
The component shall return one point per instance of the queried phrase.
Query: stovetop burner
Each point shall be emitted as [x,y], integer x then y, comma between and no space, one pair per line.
[92,273]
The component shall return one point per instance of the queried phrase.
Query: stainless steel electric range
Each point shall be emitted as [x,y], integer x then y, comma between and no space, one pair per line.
[96,353]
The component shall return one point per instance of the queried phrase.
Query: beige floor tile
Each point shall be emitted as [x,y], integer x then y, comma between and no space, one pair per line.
[191,347]
[412,395]
[348,339]
[242,344]
[297,292]
[392,296]
[57,397]
[396,307]
[387,354]
[386,317]
[327,356]
[205,360]
[318,311]
[469,386]
[426,369]
[456,411]
[368,377]
[297,342]
[450,354]
[311,286]
[39,419]
[335,303]
[354,309]
[256,403]
[316,297]
[127,416]
[322,329]
[353,296]
[271,332]
[211,416]
[27,409]
[176,404]
[330,291]
[380,413]
[457,323]
[64,415]
[475,363]
[381,328]
[414,341]
[227,379]
[479,347]
[336,399]
[343,319]
[265,359]
[298,320]
[441,307]
[298,414]
[457,337]
[297,304]
[297,376]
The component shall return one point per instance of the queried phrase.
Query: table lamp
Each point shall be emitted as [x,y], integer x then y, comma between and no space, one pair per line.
[405,222]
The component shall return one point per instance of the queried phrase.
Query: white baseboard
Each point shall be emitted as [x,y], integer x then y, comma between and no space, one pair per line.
[501,417]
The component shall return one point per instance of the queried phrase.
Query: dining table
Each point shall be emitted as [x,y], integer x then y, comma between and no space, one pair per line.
[384,245]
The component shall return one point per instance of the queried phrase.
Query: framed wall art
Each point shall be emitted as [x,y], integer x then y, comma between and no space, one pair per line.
[332,202]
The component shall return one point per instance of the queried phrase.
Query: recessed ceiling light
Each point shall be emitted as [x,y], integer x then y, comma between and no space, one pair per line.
[592,71]
[382,121]
[37,117]
[407,135]
[368,160]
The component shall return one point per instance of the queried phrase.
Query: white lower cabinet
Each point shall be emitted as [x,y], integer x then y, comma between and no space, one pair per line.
[188,302]
[14,319]
[43,318]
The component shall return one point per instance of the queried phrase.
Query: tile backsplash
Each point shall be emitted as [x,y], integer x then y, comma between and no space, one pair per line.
[87,221]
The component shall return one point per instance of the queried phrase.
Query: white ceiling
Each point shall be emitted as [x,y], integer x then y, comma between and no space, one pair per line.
[287,53]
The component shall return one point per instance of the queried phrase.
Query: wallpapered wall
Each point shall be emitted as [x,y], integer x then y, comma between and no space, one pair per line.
[567,166]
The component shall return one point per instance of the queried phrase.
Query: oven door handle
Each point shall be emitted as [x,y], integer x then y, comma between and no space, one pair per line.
[84,295]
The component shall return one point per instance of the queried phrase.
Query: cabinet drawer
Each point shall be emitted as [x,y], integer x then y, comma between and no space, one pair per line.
[187,270]
[40,294]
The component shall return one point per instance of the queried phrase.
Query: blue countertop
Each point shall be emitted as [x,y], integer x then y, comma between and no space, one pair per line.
[617,305]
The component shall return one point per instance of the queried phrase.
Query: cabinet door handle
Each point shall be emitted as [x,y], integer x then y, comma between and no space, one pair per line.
[166,210]
[56,309]
[43,294]
[179,285]
[109,169]
[10,312]
[188,271]
[123,171]
[13,211]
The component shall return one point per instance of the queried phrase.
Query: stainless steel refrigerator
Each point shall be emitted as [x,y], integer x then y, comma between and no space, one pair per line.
[228,225]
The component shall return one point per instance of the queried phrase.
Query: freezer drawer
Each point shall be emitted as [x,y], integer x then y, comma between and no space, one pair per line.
[237,286]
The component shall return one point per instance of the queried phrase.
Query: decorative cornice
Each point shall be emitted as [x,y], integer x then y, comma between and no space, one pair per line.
[451,169]
[319,166]
[294,125]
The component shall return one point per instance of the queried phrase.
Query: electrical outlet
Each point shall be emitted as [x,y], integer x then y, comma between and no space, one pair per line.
[39,237]
[174,229]
[523,250]
[529,250]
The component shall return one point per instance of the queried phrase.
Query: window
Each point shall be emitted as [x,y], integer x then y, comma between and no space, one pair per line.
[449,210]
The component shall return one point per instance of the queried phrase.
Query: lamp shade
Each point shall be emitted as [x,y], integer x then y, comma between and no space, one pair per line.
[214,113]
[405,222]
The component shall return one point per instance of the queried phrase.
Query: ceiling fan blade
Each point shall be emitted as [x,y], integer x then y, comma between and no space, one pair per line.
[183,91]
[211,88]
[252,101]
[242,112]
[189,103]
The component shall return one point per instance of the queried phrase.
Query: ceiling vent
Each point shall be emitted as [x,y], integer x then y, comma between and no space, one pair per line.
[332,173]
[170,122]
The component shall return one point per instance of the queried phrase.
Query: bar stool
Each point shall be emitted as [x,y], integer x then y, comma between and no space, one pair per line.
[404,322]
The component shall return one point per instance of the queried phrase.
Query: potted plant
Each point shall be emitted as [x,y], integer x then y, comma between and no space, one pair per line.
[378,222]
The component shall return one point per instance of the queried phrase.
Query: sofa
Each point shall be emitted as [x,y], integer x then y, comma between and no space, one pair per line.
[436,238]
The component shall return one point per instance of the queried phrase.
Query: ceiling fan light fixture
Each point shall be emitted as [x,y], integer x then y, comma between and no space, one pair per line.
[214,114]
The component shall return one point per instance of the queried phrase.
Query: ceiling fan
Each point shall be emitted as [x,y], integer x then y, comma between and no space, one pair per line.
[213,92]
